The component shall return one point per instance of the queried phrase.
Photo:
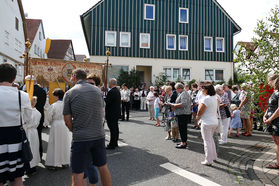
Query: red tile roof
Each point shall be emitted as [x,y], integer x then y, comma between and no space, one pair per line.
[32,28]
[58,49]
[249,46]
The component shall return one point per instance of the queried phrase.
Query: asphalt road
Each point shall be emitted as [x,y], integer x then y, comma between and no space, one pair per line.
[144,153]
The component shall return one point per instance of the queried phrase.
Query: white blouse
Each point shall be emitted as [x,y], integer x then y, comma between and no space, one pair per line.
[54,113]
[9,109]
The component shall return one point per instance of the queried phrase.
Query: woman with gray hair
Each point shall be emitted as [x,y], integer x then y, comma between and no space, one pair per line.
[224,112]
[182,109]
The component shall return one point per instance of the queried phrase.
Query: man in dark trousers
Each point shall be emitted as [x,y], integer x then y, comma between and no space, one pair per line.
[41,95]
[113,101]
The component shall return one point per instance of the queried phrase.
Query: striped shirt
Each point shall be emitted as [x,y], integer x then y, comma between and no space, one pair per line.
[84,102]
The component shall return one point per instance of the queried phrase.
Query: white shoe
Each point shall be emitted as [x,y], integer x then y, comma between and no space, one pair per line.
[168,138]
[206,163]
[222,142]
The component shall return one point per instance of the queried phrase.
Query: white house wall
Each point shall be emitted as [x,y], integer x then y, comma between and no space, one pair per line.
[39,44]
[11,40]
[197,68]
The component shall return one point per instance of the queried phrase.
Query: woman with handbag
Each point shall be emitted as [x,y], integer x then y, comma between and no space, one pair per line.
[12,134]
[224,112]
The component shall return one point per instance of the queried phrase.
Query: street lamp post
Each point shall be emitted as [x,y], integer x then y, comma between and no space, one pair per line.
[108,53]
[26,58]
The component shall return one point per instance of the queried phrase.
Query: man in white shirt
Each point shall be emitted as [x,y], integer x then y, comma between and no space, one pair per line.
[125,100]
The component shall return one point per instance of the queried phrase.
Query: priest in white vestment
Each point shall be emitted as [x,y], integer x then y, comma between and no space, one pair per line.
[58,151]
[30,127]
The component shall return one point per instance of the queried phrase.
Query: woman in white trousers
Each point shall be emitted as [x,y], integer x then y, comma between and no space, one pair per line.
[207,113]
[143,95]
[224,104]
[150,103]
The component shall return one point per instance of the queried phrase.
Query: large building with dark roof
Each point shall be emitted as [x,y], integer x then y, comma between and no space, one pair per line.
[184,39]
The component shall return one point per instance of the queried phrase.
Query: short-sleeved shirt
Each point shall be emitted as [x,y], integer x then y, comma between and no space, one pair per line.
[156,103]
[273,106]
[209,117]
[84,102]
[224,100]
[185,99]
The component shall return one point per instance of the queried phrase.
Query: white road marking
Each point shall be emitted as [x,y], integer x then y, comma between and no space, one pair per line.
[189,175]
[113,154]
[120,144]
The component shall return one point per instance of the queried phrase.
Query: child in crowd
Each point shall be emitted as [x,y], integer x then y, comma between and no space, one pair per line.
[33,137]
[174,127]
[236,121]
[157,108]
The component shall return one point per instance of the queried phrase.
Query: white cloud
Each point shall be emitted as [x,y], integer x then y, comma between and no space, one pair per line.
[246,13]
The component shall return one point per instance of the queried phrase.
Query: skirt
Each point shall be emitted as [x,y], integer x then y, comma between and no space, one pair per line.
[11,165]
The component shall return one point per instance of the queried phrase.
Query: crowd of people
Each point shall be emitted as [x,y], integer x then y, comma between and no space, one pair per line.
[76,121]
[215,110]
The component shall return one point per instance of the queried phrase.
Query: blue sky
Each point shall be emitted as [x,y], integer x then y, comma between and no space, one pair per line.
[61,18]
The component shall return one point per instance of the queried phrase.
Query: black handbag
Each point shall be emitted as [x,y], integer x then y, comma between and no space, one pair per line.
[27,155]
[227,110]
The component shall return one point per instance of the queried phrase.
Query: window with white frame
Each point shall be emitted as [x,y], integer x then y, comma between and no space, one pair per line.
[214,75]
[183,15]
[176,73]
[144,40]
[16,24]
[110,39]
[40,36]
[208,44]
[7,35]
[209,75]
[167,72]
[183,42]
[125,39]
[171,42]
[149,12]
[186,75]
[220,44]
[219,75]
[35,49]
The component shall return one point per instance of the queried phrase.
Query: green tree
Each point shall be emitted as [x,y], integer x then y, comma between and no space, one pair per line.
[131,78]
[161,80]
[256,65]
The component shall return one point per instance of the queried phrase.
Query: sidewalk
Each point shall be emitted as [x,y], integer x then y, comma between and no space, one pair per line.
[267,176]
[246,157]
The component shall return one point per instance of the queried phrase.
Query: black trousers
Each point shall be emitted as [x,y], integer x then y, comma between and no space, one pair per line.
[183,121]
[114,132]
[40,128]
[136,104]
[125,107]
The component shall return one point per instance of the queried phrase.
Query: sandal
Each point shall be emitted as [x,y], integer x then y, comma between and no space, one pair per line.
[272,166]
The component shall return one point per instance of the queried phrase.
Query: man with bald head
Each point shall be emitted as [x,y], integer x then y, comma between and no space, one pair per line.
[113,101]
